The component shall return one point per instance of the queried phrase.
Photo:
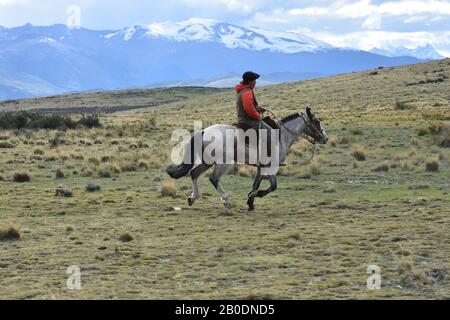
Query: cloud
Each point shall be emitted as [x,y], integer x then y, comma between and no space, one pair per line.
[372,23]
[365,8]
[5,3]
[366,40]
[415,19]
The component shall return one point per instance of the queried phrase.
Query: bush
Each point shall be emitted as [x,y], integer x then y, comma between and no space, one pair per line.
[104,172]
[168,188]
[21,177]
[383,167]
[401,105]
[30,120]
[59,174]
[126,237]
[6,145]
[359,153]
[11,233]
[432,165]
[445,142]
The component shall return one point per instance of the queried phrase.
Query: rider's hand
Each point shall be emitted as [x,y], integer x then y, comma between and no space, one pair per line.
[263,110]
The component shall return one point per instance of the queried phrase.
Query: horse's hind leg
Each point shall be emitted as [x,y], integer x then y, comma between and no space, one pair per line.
[219,171]
[195,174]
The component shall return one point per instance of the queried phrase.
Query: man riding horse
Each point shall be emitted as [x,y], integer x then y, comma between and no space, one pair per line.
[290,129]
[249,112]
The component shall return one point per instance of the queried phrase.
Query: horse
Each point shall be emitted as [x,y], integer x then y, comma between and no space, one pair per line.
[290,129]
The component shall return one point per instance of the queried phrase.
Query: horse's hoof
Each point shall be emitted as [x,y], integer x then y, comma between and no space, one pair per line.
[251,206]
[228,204]
[191,202]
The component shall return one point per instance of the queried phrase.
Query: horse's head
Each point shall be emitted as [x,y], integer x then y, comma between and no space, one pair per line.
[314,128]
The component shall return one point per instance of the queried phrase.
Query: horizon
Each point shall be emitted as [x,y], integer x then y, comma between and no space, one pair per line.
[363,24]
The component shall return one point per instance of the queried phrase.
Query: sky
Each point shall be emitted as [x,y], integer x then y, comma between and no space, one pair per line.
[362,24]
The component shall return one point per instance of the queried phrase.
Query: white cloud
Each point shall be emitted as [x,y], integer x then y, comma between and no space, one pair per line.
[365,8]
[366,40]
[4,3]
[372,23]
[415,19]
[230,5]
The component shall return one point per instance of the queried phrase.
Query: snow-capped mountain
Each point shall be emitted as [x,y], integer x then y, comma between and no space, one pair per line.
[54,59]
[426,52]
[233,36]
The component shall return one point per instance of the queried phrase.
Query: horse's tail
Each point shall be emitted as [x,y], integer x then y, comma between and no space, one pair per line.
[182,170]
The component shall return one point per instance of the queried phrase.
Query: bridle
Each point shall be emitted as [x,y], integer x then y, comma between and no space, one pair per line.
[309,124]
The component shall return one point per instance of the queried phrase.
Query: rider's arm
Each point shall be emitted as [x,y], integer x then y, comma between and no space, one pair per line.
[249,105]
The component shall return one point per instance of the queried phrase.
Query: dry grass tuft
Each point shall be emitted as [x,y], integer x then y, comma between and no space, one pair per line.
[11,233]
[432,164]
[126,237]
[21,177]
[359,152]
[382,167]
[59,174]
[168,188]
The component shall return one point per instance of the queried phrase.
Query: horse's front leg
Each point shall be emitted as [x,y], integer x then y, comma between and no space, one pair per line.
[262,193]
[254,192]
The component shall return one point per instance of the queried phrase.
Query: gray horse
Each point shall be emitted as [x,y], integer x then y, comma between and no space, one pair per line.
[291,129]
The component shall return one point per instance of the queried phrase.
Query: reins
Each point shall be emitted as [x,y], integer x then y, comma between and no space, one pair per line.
[301,133]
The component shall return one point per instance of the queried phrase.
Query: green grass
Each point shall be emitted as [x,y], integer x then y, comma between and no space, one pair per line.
[312,239]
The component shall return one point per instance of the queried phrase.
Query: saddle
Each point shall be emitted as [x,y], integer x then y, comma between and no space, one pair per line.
[268,120]
[245,127]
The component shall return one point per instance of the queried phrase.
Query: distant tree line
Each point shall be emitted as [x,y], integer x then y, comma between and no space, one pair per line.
[32,120]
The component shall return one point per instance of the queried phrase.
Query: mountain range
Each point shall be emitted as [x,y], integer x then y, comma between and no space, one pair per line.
[426,52]
[48,60]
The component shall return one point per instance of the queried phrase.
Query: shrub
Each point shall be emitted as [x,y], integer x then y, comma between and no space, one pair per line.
[21,177]
[129,166]
[359,153]
[401,105]
[126,237]
[357,132]
[11,233]
[90,121]
[6,145]
[314,168]
[383,167]
[432,165]
[93,187]
[333,142]
[94,160]
[445,142]
[59,174]
[168,188]
[104,172]
[30,120]
[143,164]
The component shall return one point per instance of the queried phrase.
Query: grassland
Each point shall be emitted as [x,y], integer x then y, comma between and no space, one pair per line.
[314,238]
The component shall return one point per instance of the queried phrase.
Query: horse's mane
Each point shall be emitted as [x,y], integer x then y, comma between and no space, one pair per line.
[290,118]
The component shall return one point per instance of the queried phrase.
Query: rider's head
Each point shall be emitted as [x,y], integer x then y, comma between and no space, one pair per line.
[250,78]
